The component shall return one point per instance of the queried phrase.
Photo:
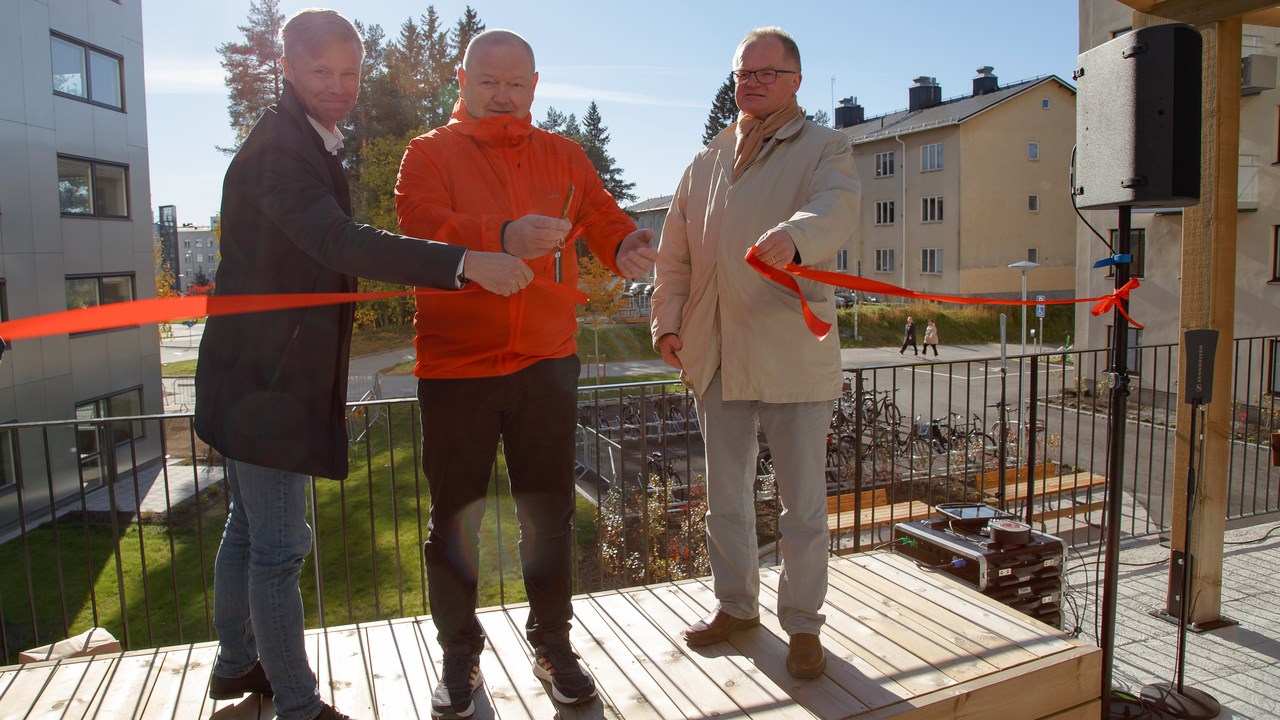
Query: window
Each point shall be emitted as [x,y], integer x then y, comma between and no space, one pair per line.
[884,164]
[931,157]
[1137,248]
[1275,260]
[1033,255]
[199,257]
[931,261]
[842,260]
[8,459]
[884,212]
[93,438]
[86,73]
[884,260]
[931,209]
[1033,203]
[92,189]
[83,292]
[1033,151]
[1273,382]
[1044,104]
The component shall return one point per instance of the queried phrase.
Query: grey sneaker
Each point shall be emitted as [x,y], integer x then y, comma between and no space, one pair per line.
[557,663]
[454,696]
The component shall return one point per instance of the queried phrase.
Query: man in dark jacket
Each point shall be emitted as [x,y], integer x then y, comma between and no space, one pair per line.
[271,386]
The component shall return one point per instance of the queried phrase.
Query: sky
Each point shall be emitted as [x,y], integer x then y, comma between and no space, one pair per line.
[652,68]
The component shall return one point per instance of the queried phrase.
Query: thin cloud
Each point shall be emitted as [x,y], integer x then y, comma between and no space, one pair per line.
[562,91]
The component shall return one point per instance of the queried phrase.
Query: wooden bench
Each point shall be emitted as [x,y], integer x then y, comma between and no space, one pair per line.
[849,500]
[1051,486]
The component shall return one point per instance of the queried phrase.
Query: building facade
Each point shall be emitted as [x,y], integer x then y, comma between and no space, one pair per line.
[198,256]
[954,191]
[75,231]
[1157,233]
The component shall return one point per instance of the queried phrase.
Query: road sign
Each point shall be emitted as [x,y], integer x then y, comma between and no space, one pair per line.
[1039,308]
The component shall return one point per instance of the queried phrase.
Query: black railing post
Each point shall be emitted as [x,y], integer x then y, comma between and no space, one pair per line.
[1031,430]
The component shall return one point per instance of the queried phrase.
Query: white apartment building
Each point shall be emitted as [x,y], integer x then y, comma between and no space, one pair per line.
[75,231]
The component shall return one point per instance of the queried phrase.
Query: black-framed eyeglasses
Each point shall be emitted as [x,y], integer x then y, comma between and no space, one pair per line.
[764,77]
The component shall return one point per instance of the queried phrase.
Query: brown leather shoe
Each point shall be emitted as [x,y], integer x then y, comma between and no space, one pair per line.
[716,627]
[806,659]
[229,688]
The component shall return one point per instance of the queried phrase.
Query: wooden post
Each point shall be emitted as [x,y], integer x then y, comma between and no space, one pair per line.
[1208,301]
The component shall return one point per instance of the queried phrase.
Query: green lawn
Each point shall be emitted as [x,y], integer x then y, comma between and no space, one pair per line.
[369,528]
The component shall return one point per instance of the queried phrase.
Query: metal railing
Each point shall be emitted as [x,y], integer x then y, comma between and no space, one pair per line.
[138,523]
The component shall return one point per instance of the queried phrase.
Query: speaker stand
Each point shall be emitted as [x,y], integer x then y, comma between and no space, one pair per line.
[1113,703]
[1176,700]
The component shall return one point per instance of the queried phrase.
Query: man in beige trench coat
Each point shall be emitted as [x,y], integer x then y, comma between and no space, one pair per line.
[787,186]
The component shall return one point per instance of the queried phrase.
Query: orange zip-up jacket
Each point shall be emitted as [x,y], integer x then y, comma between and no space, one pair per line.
[459,184]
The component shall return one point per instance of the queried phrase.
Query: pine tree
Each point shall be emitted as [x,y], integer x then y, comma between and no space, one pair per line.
[595,141]
[823,118]
[562,125]
[464,31]
[724,111]
[254,76]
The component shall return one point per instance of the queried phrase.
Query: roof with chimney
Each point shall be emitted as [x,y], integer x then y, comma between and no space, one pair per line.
[948,112]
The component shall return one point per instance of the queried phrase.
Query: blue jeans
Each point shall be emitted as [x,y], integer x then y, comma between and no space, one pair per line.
[257,606]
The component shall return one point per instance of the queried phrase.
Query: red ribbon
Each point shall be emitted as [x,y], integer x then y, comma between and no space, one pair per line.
[142,312]
[786,276]
[1117,301]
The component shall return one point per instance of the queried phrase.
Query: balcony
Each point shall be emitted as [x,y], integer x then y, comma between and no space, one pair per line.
[1247,196]
[135,557]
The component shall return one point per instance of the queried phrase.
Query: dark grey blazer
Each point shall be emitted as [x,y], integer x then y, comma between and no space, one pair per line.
[271,387]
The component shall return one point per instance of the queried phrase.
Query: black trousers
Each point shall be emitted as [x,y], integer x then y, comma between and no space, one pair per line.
[909,344]
[533,411]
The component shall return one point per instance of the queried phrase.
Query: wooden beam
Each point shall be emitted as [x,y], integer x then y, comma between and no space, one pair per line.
[1208,301]
[1198,12]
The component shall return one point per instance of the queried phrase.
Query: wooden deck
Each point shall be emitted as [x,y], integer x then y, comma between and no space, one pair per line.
[903,643]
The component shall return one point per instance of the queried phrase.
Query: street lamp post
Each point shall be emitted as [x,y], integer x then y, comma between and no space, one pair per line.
[1022,267]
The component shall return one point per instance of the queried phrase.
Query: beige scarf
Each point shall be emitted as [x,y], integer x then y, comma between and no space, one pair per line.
[751,132]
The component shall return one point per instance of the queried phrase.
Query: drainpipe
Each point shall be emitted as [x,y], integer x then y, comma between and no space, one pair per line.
[903,169]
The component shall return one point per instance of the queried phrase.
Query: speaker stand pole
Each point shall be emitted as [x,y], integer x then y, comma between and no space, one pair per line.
[1175,700]
[1116,704]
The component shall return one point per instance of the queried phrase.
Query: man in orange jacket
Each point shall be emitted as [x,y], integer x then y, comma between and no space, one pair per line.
[492,366]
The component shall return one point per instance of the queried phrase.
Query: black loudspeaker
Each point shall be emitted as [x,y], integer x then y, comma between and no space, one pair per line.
[1138,120]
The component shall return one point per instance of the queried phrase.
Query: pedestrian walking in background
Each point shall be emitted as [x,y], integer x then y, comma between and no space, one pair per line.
[909,337]
[931,339]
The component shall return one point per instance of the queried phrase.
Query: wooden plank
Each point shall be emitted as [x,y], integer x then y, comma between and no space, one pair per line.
[1062,681]
[879,515]
[128,684]
[391,691]
[402,684]
[766,648]
[507,665]
[621,668]
[26,688]
[71,688]
[1054,486]
[1026,632]
[193,695]
[347,666]
[896,672]
[716,680]
[847,501]
[1088,711]
[871,590]
[162,696]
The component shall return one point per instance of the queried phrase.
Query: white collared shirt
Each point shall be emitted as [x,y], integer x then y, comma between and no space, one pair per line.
[332,138]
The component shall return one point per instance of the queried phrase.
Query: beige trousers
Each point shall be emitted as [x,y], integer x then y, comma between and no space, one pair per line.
[797,437]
